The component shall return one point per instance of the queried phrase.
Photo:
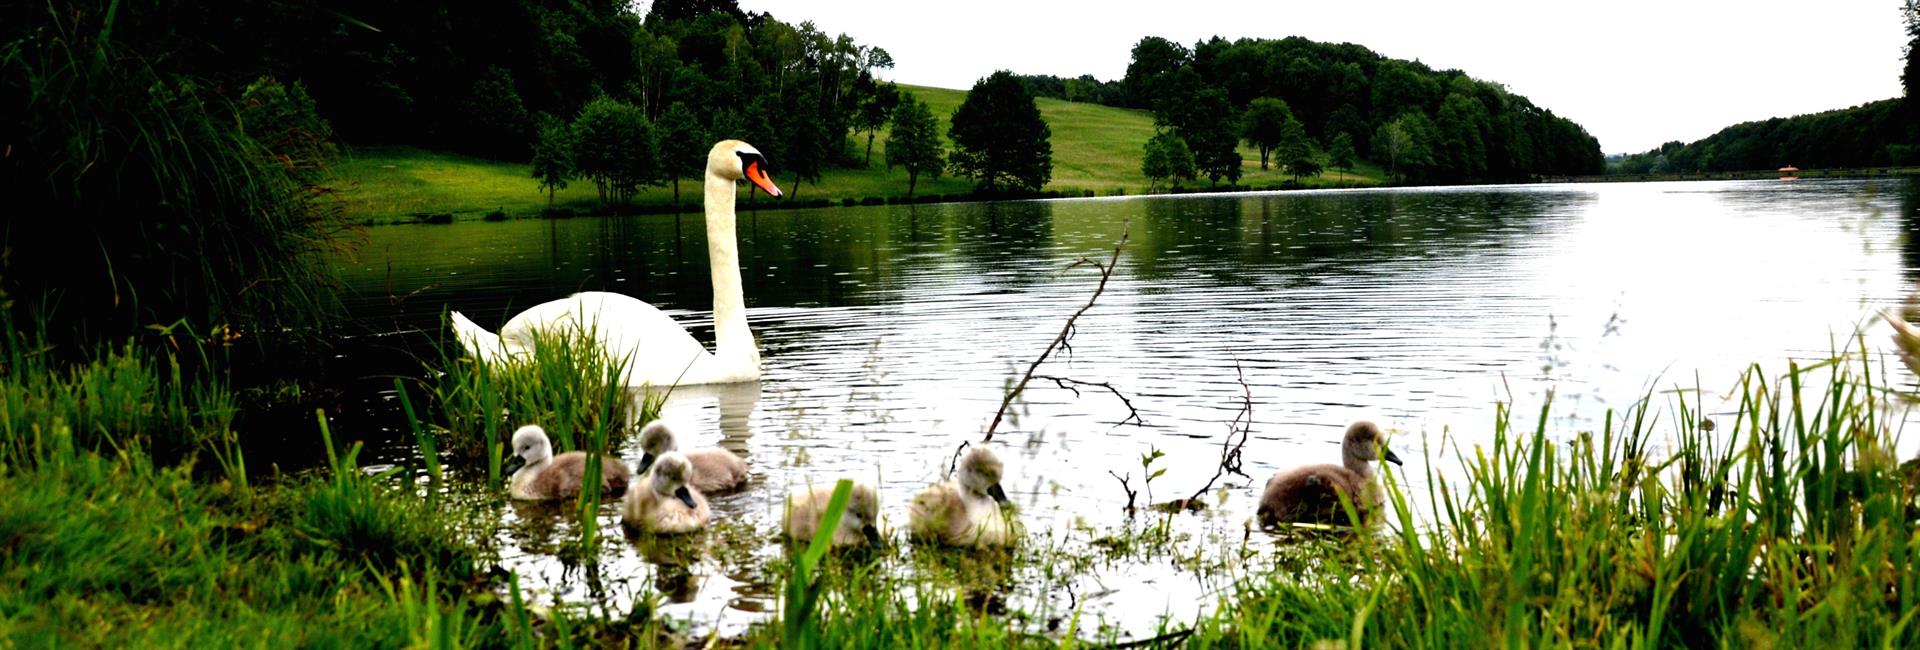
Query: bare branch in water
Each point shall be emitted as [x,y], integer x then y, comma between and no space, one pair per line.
[1066,331]
[1241,425]
[1069,383]
[1126,487]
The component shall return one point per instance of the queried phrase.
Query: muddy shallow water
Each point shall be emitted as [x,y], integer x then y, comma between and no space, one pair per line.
[889,333]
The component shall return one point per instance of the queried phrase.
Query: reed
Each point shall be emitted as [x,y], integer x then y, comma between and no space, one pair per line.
[569,385]
[1788,524]
[169,197]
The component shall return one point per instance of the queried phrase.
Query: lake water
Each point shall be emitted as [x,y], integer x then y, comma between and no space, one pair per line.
[889,334]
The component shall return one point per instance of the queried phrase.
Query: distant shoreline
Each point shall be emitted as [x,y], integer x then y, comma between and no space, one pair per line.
[1750,175]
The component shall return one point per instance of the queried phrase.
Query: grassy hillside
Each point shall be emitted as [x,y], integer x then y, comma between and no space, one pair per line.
[1095,148]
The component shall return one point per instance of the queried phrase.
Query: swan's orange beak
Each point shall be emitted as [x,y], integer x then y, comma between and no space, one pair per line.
[759,177]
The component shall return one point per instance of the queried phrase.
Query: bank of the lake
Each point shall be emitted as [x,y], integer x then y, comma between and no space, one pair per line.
[1096,152]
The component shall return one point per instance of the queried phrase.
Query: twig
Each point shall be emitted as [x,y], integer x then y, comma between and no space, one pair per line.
[1069,383]
[1128,488]
[955,465]
[1060,340]
[1242,424]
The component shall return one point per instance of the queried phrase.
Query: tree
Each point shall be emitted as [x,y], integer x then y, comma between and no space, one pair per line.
[1910,75]
[914,141]
[877,102]
[1405,144]
[805,137]
[553,155]
[683,145]
[999,139]
[614,147]
[1153,57]
[1296,150]
[1341,152]
[1263,124]
[1463,125]
[1167,158]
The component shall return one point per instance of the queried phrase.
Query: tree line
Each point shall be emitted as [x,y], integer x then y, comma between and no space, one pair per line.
[1316,104]
[1874,134]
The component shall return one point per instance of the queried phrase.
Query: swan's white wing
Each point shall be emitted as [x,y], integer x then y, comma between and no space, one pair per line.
[656,348]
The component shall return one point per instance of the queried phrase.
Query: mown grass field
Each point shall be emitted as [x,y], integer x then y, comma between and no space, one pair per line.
[1095,148]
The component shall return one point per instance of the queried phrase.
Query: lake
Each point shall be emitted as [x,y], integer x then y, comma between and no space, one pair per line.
[889,334]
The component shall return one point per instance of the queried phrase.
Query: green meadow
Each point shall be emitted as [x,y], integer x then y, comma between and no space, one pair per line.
[1096,150]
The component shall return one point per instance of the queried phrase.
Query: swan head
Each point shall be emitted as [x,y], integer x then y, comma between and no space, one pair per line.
[530,447]
[655,439]
[980,474]
[669,477]
[734,160]
[1364,442]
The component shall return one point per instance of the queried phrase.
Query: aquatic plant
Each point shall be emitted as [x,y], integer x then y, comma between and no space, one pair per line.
[568,385]
[1785,524]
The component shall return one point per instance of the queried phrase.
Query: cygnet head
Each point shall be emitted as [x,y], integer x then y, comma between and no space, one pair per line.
[734,160]
[980,474]
[530,446]
[1364,442]
[655,439]
[863,512]
[669,477]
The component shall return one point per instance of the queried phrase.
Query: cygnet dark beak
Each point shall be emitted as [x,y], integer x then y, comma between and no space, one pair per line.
[872,534]
[997,493]
[515,463]
[685,496]
[646,461]
[1391,458]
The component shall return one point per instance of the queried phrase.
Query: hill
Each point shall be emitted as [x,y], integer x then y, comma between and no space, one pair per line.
[1874,134]
[1096,149]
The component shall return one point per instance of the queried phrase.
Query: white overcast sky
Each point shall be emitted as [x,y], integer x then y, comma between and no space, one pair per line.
[1636,73]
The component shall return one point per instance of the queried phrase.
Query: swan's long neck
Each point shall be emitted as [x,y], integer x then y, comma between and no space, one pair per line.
[734,347]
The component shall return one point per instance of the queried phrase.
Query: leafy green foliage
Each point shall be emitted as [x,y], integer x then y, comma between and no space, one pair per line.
[1296,150]
[1167,159]
[613,146]
[553,156]
[1872,134]
[1345,88]
[683,145]
[913,141]
[999,139]
[175,200]
[1341,152]
[1264,125]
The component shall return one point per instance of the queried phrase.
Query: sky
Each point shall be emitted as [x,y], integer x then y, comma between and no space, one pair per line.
[1635,73]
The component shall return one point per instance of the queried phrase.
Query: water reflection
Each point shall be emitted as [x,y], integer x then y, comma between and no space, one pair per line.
[889,332]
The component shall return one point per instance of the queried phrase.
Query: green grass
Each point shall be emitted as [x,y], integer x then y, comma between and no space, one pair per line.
[1793,527]
[1095,149]
[567,385]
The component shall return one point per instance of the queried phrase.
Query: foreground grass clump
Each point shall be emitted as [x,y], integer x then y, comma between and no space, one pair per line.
[121,395]
[112,550]
[568,385]
[1789,524]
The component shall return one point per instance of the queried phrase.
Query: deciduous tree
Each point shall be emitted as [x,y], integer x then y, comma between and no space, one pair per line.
[913,142]
[1263,123]
[999,139]
[614,147]
[1167,158]
[1341,152]
[683,145]
[553,156]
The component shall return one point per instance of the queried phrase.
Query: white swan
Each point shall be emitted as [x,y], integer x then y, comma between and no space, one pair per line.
[657,350]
